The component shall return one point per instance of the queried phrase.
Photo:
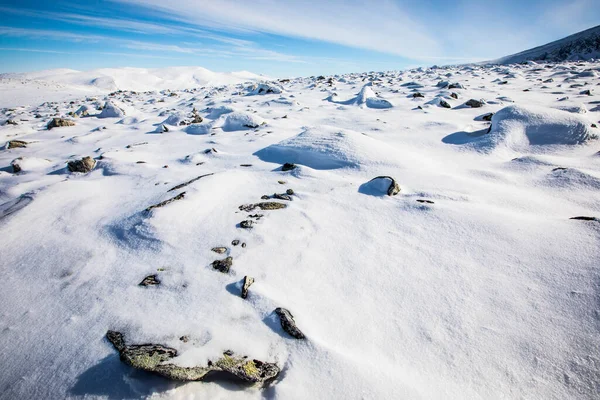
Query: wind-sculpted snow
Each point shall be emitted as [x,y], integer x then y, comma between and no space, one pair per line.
[420,234]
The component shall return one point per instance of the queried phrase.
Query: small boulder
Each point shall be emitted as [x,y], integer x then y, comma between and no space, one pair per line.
[150,280]
[288,323]
[248,280]
[219,250]
[223,265]
[475,103]
[13,144]
[85,165]
[247,224]
[59,122]
[288,167]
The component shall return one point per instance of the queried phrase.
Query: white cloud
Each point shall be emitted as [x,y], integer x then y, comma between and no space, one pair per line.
[379,25]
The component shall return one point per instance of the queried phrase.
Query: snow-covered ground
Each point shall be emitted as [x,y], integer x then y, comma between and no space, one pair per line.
[471,283]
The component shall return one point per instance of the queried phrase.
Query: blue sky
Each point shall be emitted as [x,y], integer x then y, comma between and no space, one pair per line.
[278,37]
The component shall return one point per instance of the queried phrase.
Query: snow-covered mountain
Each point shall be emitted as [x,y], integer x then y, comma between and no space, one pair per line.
[584,45]
[65,84]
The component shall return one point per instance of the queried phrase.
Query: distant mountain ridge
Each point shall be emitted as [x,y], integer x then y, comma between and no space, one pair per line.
[581,46]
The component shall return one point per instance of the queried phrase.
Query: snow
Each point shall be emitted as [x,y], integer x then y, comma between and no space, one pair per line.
[238,121]
[518,126]
[111,110]
[485,288]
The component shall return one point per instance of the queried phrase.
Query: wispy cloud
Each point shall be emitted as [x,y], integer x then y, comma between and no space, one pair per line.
[247,52]
[379,25]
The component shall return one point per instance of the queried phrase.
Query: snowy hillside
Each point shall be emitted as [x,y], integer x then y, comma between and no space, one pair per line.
[67,84]
[584,45]
[426,234]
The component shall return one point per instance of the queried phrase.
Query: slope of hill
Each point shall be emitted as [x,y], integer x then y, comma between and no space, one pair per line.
[66,84]
[580,46]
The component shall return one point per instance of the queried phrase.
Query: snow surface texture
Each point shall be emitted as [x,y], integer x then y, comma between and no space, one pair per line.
[471,283]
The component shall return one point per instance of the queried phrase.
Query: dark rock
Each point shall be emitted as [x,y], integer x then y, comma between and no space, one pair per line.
[85,165]
[244,245]
[487,117]
[245,165]
[188,182]
[581,218]
[475,103]
[425,201]
[235,242]
[289,192]
[417,95]
[247,224]
[223,265]
[184,339]
[454,95]
[59,122]
[282,196]
[586,92]
[455,86]
[15,165]
[219,250]
[11,122]
[288,324]
[264,197]
[164,203]
[445,104]
[247,282]
[150,280]
[281,182]
[268,205]
[288,167]
[13,144]
[154,358]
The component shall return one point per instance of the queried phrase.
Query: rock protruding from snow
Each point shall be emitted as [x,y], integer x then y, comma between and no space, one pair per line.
[85,165]
[59,122]
[381,185]
[111,110]
[24,164]
[519,126]
[288,323]
[157,358]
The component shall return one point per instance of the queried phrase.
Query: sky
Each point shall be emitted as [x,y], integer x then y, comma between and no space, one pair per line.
[279,38]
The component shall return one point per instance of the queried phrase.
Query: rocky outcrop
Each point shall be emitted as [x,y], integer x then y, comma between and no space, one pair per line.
[475,103]
[164,203]
[13,144]
[155,358]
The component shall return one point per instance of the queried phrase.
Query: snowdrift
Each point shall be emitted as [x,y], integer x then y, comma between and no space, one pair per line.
[519,126]
[366,97]
[327,147]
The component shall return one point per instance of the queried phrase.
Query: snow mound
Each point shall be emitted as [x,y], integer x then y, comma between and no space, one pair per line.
[241,121]
[265,88]
[520,126]
[328,147]
[366,97]
[198,129]
[31,163]
[175,119]
[218,111]
[111,110]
